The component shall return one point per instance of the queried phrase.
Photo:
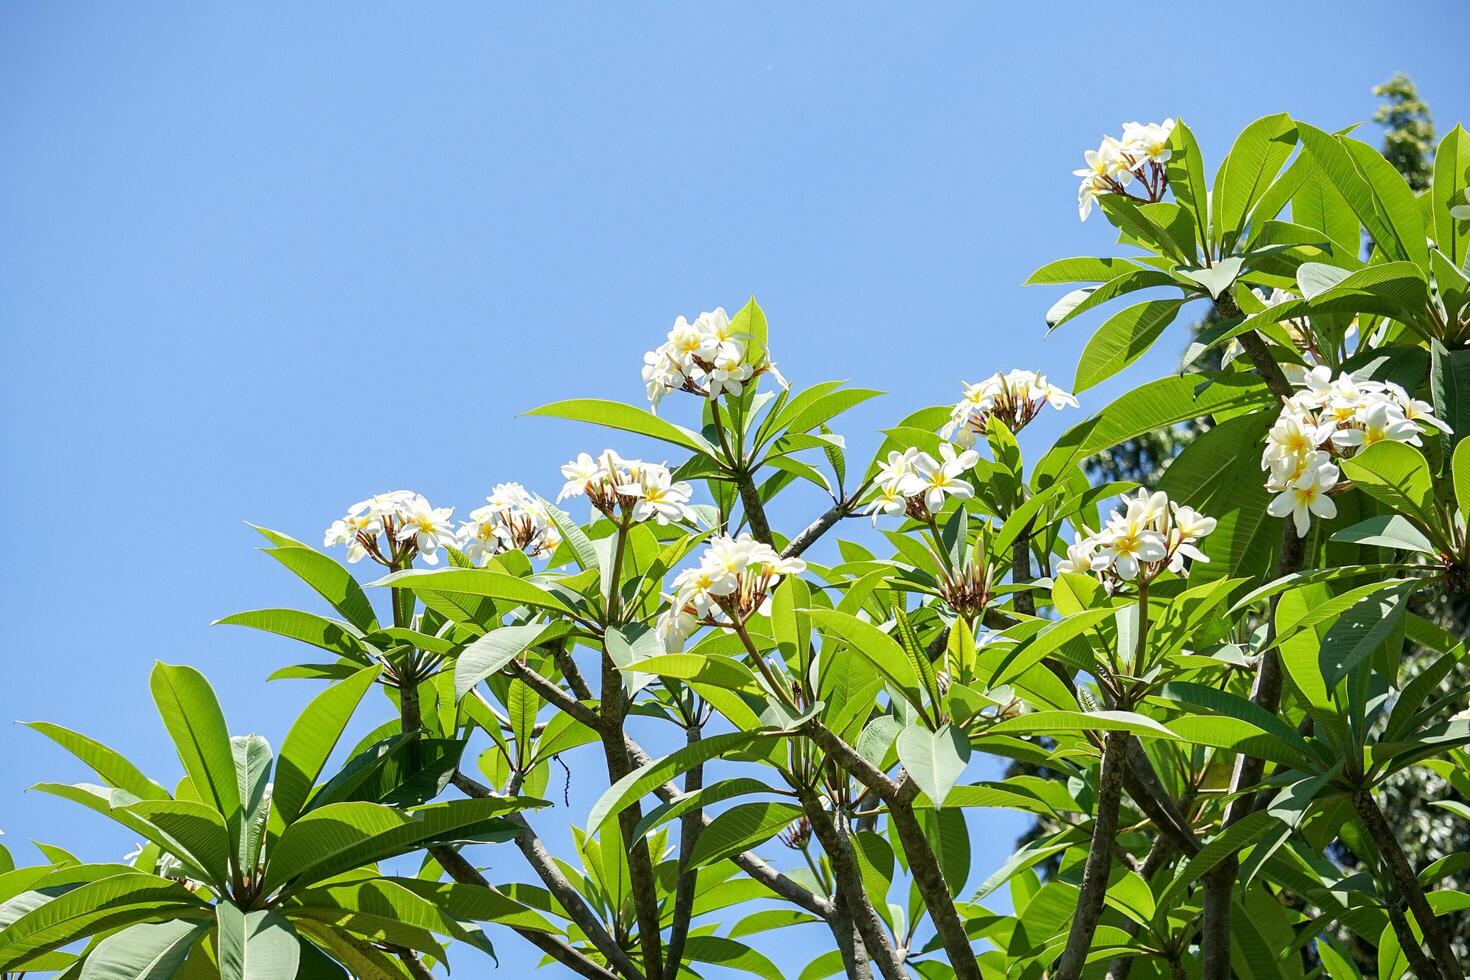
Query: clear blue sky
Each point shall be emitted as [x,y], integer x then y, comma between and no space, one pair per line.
[260,260]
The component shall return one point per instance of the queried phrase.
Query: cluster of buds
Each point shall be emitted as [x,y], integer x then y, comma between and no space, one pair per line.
[913,482]
[1112,168]
[1015,398]
[797,835]
[617,487]
[1148,535]
[703,358]
[513,519]
[391,528]
[1328,419]
[967,591]
[732,582]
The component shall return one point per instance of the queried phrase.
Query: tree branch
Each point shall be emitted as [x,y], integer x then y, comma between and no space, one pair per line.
[554,946]
[929,879]
[551,876]
[831,834]
[813,531]
[1408,886]
[1099,861]
[1219,882]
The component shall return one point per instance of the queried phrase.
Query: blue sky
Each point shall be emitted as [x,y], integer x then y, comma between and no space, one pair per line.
[258,261]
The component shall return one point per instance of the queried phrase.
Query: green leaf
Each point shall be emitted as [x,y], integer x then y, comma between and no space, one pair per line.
[310,742]
[642,780]
[1449,386]
[1122,339]
[111,767]
[476,581]
[1216,278]
[196,828]
[491,652]
[740,828]
[1079,301]
[343,836]
[1360,632]
[730,955]
[1047,722]
[147,951]
[1186,171]
[1246,173]
[1397,474]
[1152,406]
[1451,176]
[331,581]
[935,760]
[572,534]
[1460,468]
[258,945]
[616,415]
[107,903]
[1080,270]
[252,773]
[877,647]
[1386,531]
[192,715]
[319,631]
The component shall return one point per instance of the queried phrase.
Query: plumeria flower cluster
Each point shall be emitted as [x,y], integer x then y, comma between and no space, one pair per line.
[513,519]
[703,358]
[732,582]
[1112,168]
[913,482]
[393,527]
[1015,398]
[1149,534]
[617,486]
[1328,419]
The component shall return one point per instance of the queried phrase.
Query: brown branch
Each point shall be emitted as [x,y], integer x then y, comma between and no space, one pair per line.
[1408,886]
[556,883]
[1099,861]
[640,862]
[813,531]
[1255,348]
[831,833]
[463,872]
[690,824]
[929,879]
[559,699]
[1219,882]
[755,511]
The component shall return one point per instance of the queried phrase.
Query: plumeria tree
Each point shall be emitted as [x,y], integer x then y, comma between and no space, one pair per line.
[1205,678]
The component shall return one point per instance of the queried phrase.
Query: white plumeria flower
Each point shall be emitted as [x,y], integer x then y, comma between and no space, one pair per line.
[1125,544]
[734,577]
[1107,161]
[889,501]
[1080,554]
[658,497]
[1307,497]
[1148,535]
[390,504]
[1015,398]
[1333,416]
[1414,409]
[579,473]
[427,527]
[1148,141]
[933,480]
[704,357]
[350,530]
[1380,422]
